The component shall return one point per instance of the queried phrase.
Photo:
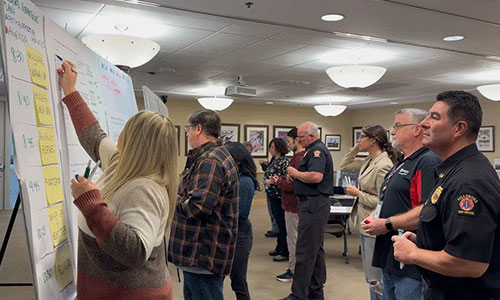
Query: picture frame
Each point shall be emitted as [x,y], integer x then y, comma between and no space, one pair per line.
[333,142]
[356,134]
[281,132]
[230,132]
[178,131]
[486,139]
[258,135]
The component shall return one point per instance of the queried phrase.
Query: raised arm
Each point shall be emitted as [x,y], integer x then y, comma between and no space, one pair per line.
[87,128]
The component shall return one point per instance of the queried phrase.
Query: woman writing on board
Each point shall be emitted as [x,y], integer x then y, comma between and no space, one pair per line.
[123,217]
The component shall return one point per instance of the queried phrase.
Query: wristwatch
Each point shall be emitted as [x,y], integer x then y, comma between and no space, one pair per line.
[388,224]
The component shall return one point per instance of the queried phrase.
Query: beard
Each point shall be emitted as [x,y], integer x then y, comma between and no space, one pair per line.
[396,145]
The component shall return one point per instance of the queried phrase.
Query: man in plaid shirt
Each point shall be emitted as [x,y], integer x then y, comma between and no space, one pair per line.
[203,233]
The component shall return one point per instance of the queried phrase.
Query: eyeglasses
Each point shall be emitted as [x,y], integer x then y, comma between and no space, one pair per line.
[398,126]
[302,136]
[362,135]
[186,128]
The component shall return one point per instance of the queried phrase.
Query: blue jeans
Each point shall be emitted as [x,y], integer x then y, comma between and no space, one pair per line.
[203,287]
[401,287]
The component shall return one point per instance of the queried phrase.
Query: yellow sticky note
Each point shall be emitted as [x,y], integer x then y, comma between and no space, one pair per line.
[37,67]
[47,146]
[43,109]
[53,186]
[57,224]
[63,267]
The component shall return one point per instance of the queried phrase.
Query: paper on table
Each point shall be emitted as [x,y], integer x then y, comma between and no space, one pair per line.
[43,109]
[47,146]
[63,267]
[37,67]
[57,224]
[53,186]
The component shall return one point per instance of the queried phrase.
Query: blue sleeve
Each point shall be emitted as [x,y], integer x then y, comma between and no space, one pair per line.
[247,189]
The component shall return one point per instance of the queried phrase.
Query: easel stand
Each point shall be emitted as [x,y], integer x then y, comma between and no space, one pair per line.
[6,240]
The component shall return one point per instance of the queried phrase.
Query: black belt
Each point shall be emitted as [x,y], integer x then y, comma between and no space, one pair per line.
[303,198]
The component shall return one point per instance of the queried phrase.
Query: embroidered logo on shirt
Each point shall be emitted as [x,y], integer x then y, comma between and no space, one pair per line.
[467,202]
[441,175]
[403,172]
[436,194]
[317,153]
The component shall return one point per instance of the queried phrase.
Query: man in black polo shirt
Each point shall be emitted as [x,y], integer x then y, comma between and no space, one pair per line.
[458,237]
[313,184]
[406,186]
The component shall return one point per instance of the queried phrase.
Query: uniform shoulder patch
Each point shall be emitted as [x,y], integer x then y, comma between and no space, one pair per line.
[317,153]
[467,204]
[436,194]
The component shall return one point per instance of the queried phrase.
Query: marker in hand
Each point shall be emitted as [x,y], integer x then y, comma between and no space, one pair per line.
[365,221]
[87,170]
[400,233]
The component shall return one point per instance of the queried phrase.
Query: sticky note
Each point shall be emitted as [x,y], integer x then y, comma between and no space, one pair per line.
[53,186]
[57,224]
[43,109]
[47,146]
[63,267]
[37,67]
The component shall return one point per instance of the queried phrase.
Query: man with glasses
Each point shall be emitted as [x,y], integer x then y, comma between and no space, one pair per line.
[313,184]
[458,239]
[203,232]
[405,188]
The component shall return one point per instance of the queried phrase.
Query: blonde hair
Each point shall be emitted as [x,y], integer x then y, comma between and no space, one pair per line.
[149,151]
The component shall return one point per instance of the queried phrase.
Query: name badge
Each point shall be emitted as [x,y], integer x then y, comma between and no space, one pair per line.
[376,214]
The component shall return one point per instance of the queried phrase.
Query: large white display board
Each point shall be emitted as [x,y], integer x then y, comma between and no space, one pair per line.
[47,151]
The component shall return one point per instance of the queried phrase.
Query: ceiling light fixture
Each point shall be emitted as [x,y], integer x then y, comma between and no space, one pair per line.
[453,38]
[355,76]
[215,103]
[329,110]
[490,91]
[124,51]
[332,17]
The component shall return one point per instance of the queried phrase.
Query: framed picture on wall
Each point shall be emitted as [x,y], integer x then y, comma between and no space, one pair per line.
[230,132]
[486,139]
[178,131]
[332,142]
[258,136]
[281,132]
[356,134]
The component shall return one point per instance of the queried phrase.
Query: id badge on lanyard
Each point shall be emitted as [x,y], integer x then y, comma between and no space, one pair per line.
[376,214]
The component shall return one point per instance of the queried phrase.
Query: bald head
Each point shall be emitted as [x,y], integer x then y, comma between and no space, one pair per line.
[307,133]
[309,128]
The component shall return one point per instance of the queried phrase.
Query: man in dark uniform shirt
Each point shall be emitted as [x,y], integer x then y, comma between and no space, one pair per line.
[313,184]
[458,236]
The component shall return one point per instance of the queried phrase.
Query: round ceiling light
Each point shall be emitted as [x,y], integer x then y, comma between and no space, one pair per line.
[330,110]
[453,38]
[332,17]
[490,91]
[215,103]
[355,76]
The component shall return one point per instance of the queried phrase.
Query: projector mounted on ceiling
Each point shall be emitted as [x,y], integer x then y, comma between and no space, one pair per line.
[240,89]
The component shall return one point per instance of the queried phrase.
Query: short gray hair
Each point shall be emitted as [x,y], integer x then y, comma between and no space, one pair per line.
[311,128]
[417,115]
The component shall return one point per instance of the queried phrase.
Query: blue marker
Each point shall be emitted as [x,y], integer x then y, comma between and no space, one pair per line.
[76,177]
[62,60]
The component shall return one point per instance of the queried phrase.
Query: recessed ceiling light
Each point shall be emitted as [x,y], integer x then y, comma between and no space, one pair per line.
[394,102]
[453,38]
[332,17]
[269,102]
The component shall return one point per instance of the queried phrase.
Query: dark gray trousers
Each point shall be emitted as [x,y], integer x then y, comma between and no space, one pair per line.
[310,269]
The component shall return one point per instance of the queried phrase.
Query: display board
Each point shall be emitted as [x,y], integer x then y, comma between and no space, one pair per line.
[47,151]
[152,102]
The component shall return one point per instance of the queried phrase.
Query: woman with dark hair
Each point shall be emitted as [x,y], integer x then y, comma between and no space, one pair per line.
[372,170]
[276,168]
[248,184]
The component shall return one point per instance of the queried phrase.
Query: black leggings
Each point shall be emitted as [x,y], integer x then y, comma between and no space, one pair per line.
[279,215]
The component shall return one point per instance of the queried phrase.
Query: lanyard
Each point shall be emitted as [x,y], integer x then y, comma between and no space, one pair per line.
[376,214]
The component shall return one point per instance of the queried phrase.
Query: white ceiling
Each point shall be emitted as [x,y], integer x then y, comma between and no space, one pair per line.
[282,47]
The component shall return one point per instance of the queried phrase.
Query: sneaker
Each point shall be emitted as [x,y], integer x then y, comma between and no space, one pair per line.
[273,253]
[271,234]
[285,277]
[280,257]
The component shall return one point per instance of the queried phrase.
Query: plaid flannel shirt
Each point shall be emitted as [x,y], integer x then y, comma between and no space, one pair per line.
[203,232]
